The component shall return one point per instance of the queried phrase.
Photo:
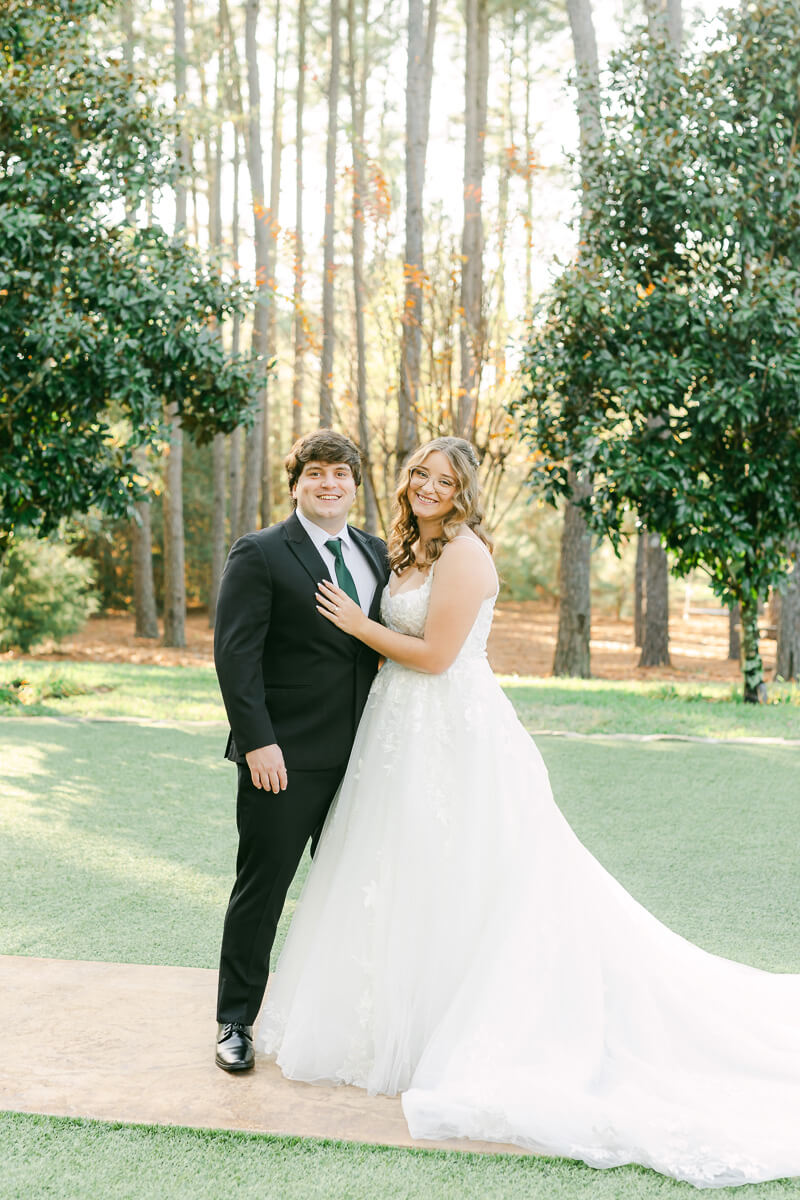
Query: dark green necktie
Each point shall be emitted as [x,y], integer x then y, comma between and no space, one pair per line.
[343,576]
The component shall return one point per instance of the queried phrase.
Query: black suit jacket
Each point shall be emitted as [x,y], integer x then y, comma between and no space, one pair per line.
[287,675]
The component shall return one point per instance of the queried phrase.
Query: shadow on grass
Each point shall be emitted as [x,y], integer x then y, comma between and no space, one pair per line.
[119,840]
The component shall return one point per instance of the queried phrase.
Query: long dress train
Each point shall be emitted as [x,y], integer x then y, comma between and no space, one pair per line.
[457,943]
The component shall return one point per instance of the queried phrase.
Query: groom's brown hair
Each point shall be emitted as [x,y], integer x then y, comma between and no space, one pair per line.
[323,445]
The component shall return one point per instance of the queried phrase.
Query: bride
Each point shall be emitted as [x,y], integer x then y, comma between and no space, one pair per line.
[455,941]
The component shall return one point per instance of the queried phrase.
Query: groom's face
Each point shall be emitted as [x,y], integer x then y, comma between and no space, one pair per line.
[324,493]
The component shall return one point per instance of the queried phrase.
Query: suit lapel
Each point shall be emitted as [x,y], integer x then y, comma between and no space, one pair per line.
[378,565]
[304,549]
[373,558]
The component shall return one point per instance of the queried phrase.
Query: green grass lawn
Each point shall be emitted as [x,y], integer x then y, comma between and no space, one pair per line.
[697,710]
[110,690]
[46,1158]
[588,706]
[117,842]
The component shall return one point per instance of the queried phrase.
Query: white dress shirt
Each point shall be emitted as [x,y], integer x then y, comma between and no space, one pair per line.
[353,555]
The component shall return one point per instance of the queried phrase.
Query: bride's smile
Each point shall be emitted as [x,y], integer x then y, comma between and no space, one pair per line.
[431,487]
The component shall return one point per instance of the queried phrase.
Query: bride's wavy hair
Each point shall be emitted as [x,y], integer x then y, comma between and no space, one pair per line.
[466,510]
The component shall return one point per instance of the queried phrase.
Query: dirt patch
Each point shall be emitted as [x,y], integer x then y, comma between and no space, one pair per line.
[522,642]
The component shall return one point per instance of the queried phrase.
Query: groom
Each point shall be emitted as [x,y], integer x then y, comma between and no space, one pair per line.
[293,686]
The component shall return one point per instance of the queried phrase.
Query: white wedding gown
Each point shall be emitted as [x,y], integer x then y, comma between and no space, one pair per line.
[457,943]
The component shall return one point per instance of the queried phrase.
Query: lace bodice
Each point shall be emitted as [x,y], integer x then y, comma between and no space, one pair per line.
[407,613]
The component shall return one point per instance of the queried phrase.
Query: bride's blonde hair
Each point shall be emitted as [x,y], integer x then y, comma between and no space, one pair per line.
[466,510]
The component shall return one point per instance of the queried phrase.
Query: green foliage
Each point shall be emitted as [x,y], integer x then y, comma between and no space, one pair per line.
[100,321]
[98,690]
[45,593]
[668,360]
[527,555]
[21,691]
[108,543]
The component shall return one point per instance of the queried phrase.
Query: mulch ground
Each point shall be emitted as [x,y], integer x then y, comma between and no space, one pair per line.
[522,642]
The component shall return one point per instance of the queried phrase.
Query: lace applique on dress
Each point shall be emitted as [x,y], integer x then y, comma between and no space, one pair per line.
[455,941]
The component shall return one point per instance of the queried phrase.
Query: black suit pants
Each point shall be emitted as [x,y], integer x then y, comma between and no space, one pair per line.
[273,833]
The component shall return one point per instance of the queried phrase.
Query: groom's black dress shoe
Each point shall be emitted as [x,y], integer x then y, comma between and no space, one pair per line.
[235,1046]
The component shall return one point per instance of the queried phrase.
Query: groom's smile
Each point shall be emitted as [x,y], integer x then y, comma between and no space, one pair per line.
[324,493]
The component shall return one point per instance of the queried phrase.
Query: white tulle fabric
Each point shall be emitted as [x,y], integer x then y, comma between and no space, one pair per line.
[456,942]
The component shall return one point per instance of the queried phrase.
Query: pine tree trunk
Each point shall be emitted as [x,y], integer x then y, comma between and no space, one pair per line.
[219,516]
[251,475]
[183,147]
[174,573]
[357,108]
[272,244]
[234,104]
[254,440]
[734,632]
[587,80]
[471,333]
[572,655]
[755,690]
[656,13]
[787,665]
[529,159]
[503,190]
[572,651]
[419,75]
[299,315]
[235,455]
[774,608]
[638,589]
[236,439]
[665,21]
[144,592]
[326,366]
[219,543]
[655,644]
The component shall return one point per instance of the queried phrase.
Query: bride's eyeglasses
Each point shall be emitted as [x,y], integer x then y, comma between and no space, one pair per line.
[419,476]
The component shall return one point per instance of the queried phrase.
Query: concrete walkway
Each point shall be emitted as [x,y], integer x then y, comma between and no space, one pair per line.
[117,1042]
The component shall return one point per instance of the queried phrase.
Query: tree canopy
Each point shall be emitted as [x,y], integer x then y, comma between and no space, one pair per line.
[668,361]
[101,321]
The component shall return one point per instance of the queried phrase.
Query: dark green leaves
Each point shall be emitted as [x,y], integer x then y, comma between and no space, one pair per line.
[668,359]
[100,322]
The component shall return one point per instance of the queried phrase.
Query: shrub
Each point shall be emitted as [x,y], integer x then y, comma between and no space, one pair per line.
[45,592]
[20,691]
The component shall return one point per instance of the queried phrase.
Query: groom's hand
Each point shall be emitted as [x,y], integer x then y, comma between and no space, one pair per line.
[267,768]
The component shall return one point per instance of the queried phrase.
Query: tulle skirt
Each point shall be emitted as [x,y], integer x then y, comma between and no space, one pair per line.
[455,942]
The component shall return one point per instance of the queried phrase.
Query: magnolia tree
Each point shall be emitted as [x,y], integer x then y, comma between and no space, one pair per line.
[100,321]
[667,362]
